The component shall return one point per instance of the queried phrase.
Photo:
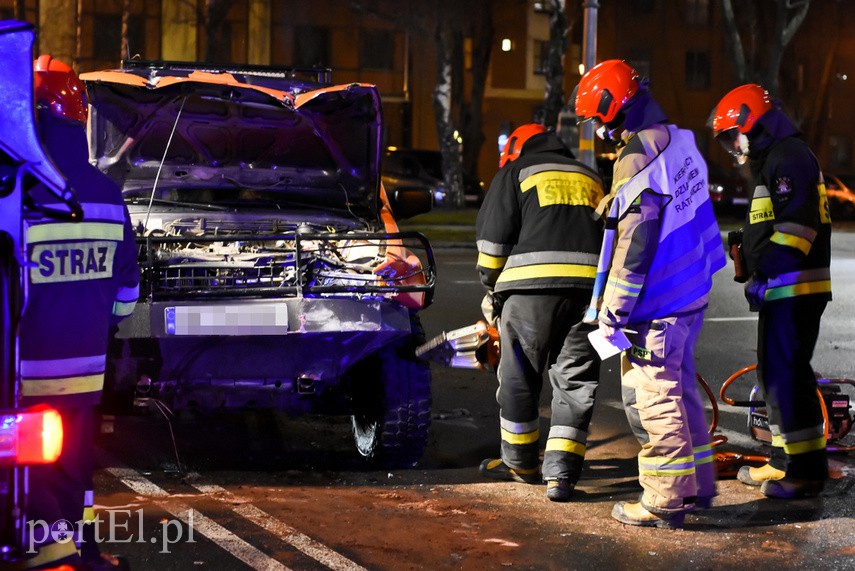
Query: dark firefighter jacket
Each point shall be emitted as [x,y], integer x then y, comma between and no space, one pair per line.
[787,235]
[536,228]
[83,278]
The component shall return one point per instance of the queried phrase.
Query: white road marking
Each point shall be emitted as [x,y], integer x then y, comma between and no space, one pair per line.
[283,531]
[200,523]
[466,281]
[749,318]
[223,537]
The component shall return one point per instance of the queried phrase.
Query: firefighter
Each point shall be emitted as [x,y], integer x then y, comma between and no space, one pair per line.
[537,244]
[82,280]
[786,246]
[660,250]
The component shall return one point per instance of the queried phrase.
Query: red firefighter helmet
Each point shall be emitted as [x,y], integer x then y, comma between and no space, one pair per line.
[740,109]
[57,86]
[604,90]
[516,141]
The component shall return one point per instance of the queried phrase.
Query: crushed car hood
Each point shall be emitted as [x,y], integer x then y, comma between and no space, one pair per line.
[316,143]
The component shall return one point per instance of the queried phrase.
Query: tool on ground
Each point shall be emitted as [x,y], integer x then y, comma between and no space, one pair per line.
[477,347]
[836,411]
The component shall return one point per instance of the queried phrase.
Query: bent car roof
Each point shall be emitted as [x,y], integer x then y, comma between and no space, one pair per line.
[192,125]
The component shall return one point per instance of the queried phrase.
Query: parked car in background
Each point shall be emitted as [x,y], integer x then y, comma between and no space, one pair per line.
[728,190]
[473,188]
[403,169]
[840,190]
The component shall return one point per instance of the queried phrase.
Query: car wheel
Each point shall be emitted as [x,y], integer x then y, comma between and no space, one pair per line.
[391,409]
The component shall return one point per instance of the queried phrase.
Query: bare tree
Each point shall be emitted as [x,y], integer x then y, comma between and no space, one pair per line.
[749,64]
[124,49]
[458,114]
[216,32]
[553,99]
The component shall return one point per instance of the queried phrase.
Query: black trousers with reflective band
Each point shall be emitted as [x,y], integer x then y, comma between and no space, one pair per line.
[57,490]
[543,334]
[786,338]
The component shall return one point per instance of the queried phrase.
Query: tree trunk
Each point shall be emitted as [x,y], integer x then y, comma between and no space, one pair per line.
[442,104]
[733,42]
[124,49]
[217,45]
[472,121]
[747,68]
[553,99]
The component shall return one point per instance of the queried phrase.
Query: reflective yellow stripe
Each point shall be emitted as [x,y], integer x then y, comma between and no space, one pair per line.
[586,144]
[123,308]
[796,242]
[59,387]
[527,438]
[799,447]
[561,187]
[666,473]
[75,231]
[51,552]
[491,262]
[805,288]
[616,184]
[88,514]
[761,210]
[547,271]
[660,461]
[667,467]
[565,445]
[702,454]
[824,215]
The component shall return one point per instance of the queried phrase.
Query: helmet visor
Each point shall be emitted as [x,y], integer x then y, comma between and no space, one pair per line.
[735,143]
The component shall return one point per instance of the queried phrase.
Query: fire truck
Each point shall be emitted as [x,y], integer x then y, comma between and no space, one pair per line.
[33,435]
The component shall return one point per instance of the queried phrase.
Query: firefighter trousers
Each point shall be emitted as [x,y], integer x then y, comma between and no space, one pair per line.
[544,334]
[55,502]
[787,334]
[666,414]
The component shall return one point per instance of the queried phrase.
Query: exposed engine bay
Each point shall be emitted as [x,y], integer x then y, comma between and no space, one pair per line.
[200,255]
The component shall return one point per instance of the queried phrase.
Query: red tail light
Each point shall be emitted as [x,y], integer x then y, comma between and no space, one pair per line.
[31,436]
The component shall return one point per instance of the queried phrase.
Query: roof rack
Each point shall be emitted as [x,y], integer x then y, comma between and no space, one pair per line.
[317,74]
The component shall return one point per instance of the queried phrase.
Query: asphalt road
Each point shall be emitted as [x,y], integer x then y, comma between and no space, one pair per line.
[263,491]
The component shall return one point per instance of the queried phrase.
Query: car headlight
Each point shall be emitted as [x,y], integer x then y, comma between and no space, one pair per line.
[716,188]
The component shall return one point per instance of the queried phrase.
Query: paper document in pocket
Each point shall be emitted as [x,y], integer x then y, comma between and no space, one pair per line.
[608,346]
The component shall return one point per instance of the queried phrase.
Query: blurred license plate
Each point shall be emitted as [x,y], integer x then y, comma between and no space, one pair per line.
[740,201]
[248,319]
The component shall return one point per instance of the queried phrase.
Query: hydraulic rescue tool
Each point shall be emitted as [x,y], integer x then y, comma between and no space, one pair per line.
[472,347]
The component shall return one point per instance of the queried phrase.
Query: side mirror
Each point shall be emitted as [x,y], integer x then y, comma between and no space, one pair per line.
[408,202]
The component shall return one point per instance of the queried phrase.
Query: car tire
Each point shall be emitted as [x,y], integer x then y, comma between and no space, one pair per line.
[391,408]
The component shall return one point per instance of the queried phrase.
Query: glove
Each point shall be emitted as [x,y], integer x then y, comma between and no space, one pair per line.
[734,238]
[491,308]
[755,291]
[734,248]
